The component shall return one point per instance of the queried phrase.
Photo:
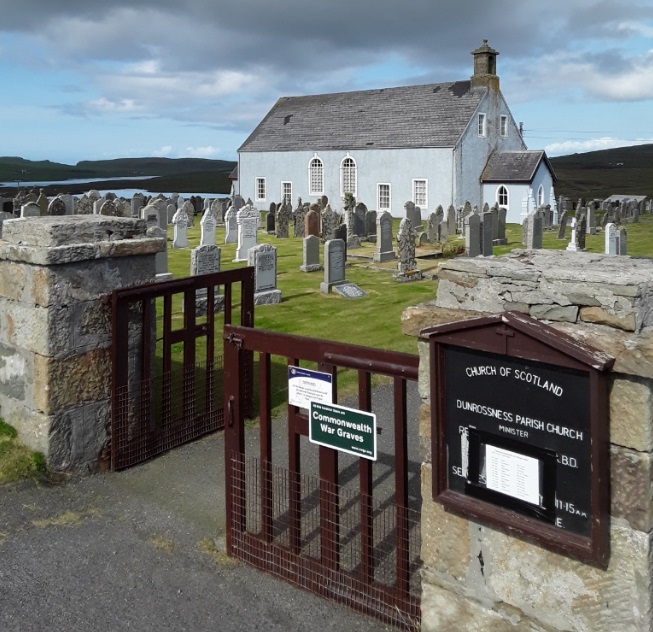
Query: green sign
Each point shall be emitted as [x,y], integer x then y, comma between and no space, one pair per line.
[344,429]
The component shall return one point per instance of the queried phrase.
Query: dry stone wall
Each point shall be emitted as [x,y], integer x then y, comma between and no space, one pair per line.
[479,578]
[55,328]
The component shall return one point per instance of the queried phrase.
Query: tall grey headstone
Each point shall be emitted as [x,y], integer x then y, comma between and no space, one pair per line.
[622,247]
[562,227]
[487,233]
[231,226]
[406,263]
[472,227]
[263,257]
[206,260]
[334,264]
[384,242]
[611,239]
[311,254]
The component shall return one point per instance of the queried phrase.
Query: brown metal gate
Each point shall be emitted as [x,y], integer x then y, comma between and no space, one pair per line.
[167,369]
[357,545]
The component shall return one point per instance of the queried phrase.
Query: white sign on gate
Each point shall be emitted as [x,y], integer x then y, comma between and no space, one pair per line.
[305,386]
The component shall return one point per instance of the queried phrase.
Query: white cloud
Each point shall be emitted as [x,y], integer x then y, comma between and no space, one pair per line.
[592,144]
[162,152]
[200,152]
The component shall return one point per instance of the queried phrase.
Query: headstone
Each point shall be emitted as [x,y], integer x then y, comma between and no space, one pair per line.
[432,225]
[329,223]
[270,226]
[263,258]
[43,203]
[206,260]
[138,201]
[284,215]
[487,233]
[384,242]
[189,208]
[591,220]
[611,239]
[409,214]
[299,217]
[334,264]
[247,222]
[349,290]
[582,232]
[238,203]
[180,229]
[85,205]
[370,226]
[109,208]
[472,235]
[451,219]
[360,227]
[31,209]
[443,232]
[501,239]
[311,254]
[534,229]
[312,223]
[231,227]
[563,225]
[151,216]
[57,207]
[622,248]
[208,227]
[69,201]
[406,265]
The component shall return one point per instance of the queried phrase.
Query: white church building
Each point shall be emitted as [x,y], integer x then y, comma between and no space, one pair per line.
[443,143]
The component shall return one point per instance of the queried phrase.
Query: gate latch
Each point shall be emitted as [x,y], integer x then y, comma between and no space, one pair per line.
[235,340]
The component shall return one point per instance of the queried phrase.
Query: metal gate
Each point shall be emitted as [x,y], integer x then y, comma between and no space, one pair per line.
[357,545]
[167,368]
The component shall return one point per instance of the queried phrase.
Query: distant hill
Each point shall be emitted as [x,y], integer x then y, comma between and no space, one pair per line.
[599,174]
[184,175]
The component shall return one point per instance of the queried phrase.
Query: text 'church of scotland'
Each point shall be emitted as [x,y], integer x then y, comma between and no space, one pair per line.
[443,143]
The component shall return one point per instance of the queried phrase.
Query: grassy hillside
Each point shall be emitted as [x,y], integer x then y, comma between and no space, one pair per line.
[184,175]
[598,174]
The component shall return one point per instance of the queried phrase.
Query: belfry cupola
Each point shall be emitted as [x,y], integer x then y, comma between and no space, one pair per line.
[485,67]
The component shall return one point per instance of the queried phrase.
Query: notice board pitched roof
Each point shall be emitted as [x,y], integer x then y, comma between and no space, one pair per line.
[433,115]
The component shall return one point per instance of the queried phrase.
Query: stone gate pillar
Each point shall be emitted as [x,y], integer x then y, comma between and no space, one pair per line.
[55,329]
[479,577]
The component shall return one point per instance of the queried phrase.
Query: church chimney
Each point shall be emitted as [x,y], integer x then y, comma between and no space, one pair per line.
[485,68]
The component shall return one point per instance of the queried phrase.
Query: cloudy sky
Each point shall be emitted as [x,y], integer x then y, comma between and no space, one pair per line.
[86,80]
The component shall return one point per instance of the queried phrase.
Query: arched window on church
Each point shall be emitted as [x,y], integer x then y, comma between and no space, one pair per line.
[502,196]
[540,196]
[348,176]
[316,177]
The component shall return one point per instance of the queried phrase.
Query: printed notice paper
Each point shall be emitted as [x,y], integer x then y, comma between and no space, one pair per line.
[512,474]
[306,386]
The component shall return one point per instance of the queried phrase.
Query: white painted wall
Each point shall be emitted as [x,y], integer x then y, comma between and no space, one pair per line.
[398,167]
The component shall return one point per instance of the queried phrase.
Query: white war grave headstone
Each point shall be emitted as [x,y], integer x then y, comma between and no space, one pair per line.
[208,226]
[247,219]
[180,230]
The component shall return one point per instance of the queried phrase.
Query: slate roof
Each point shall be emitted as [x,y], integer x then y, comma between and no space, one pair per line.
[514,166]
[433,115]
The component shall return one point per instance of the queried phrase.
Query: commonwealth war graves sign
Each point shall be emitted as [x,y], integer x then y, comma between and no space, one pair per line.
[520,437]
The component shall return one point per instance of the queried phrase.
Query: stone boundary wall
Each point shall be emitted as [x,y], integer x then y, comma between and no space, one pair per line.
[55,330]
[478,578]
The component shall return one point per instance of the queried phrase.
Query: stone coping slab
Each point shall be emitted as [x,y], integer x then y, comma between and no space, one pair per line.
[70,238]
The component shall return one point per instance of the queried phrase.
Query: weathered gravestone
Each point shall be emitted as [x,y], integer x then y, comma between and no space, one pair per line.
[334,265]
[161,258]
[311,254]
[384,243]
[406,264]
[263,258]
[230,226]
[284,216]
[270,221]
[206,260]
[299,217]
[487,233]
[247,221]
[312,223]
[57,207]
[472,229]
[611,239]
[370,226]
[329,223]
[562,228]
[360,226]
[180,229]
[43,203]
[31,209]
[85,205]
[622,248]
[208,227]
